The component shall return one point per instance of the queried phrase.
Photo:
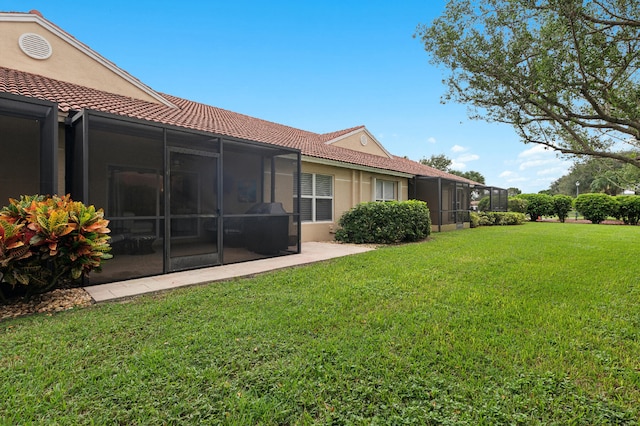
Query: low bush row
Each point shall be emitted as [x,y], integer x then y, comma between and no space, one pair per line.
[593,207]
[539,205]
[598,207]
[628,209]
[496,218]
[385,223]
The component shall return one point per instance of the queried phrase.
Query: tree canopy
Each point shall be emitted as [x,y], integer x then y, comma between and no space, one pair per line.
[598,175]
[442,162]
[563,73]
[513,191]
[439,161]
[471,175]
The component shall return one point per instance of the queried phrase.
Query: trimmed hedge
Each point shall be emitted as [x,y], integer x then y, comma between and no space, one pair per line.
[515,204]
[538,205]
[562,205]
[596,207]
[385,223]
[628,209]
[496,218]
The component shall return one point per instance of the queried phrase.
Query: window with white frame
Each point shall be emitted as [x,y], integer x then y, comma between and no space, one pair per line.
[385,190]
[316,198]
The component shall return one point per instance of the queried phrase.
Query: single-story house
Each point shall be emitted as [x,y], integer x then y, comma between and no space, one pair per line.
[185,185]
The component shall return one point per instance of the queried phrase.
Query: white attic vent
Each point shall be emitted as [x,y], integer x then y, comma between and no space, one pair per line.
[35,46]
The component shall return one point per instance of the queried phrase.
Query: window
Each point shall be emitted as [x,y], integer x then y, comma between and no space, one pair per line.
[385,190]
[316,200]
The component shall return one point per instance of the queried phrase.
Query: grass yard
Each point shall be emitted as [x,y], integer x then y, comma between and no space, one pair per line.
[533,324]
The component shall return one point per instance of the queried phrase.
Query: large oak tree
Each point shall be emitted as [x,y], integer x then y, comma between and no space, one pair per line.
[564,73]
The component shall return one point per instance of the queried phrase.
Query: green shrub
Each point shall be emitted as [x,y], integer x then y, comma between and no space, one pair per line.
[484,204]
[629,209]
[474,219]
[385,222]
[562,205]
[596,207]
[497,218]
[538,205]
[518,205]
[50,242]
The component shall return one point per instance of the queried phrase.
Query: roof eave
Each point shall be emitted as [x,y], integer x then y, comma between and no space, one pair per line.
[342,164]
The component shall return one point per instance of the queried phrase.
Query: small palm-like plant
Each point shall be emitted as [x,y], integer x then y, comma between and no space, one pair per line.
[50,242]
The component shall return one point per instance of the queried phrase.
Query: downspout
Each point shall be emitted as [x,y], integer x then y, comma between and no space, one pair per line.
[353,188]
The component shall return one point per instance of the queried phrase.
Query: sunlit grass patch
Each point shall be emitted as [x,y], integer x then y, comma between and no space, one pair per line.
[524,324]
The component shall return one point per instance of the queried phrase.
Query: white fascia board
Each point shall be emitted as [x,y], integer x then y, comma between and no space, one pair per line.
[30,17]
[341,164]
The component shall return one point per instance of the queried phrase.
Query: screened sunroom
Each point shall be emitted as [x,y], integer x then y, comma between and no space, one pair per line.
[29,136]
[498,198]
[448,201]
[181,199]
[176,199]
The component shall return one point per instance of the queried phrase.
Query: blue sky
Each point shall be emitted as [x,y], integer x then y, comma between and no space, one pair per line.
[318,66]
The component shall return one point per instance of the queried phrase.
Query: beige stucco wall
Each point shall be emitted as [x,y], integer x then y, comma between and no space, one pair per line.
[353,142]
[350,188]
[67,63]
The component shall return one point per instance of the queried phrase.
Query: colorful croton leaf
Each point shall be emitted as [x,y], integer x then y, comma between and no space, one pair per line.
[48,242]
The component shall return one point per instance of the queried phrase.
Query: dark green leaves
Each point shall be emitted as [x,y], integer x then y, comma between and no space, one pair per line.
[563,73]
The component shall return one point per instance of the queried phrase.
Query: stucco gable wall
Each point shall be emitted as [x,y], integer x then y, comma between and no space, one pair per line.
[354,143]
[67,63]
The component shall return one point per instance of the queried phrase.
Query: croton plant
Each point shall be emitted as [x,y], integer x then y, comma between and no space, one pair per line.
[49,242]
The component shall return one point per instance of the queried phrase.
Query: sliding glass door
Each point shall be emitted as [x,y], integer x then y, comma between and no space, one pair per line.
[192,209]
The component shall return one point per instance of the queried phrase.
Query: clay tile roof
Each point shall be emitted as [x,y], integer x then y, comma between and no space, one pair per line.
[198,116]
[326,137]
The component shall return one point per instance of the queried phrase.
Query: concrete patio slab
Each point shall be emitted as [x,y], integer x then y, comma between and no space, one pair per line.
[311,252]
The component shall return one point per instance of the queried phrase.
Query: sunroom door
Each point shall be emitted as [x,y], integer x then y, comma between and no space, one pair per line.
[193,202]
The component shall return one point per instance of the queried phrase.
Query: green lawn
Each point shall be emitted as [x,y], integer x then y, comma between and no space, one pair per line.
[532,324]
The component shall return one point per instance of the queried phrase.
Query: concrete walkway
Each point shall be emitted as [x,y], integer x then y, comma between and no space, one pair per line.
[311,252]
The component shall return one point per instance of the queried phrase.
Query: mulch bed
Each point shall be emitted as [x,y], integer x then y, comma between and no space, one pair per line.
[49,303]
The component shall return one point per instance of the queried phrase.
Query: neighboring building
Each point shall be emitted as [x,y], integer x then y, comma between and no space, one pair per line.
[224,187]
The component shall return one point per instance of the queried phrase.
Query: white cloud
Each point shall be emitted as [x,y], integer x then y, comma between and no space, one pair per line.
[512,178]
[467,157]
[552,171]
[518,179]
[460,162]
[537,163]
[457,165]
[536,151]
[534,168]
[431,139]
